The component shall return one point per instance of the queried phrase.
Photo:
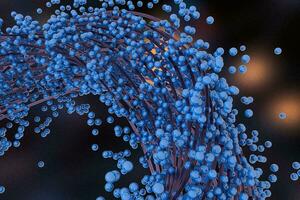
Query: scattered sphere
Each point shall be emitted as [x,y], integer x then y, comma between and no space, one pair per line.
[2,189]
[277,51]
[210,20]
[39,11]
[41,164]
[282,115]
[274,168]
[248,113]
[296,165]
[95,147]
[294,176]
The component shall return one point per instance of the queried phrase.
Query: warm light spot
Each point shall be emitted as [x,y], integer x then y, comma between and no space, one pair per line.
[176,36]
[155,68]
[260,73]
[162,29]
[149,81]
[153,51]
[287,104]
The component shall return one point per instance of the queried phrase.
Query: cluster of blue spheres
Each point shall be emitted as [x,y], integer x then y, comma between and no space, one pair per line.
[153,72]
[295,175]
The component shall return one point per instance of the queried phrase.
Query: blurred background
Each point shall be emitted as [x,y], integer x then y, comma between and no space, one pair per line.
[73,172]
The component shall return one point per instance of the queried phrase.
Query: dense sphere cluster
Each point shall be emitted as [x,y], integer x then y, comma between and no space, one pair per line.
[150,71]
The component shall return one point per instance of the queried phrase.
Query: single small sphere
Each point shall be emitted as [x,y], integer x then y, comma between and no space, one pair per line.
[41,164]
[268,144]
[128,166]
[95,147]
[109,177]
[39,11]
[272,178]
[91,115]
[232,69]
[243,48]
[245,59]
[110,120]
[158,188]
[210,20]
[95,132]
[212,174]
[282,115]
[48,4]
[248,113]
[294,177]
[243,196]
[277,51]
[296,165]
[100,198]
[274,168]
[242,69]
[233,51]
[37,119]
[133,187]
[108,187]
[98,122]
[2,189]
[150,5]
[140,4]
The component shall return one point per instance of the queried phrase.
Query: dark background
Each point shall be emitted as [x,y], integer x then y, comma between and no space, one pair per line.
[73,172]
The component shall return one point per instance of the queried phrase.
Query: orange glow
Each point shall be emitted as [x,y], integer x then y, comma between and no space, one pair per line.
[260,73]
[289,104]
[153,51]
[149,81]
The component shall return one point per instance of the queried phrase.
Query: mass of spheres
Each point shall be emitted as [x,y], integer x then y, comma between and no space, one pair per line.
[155,183]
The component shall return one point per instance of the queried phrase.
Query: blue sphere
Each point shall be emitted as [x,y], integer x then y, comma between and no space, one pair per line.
[41,164]
[277,51]
[95,147]
[210,20]
[282,115]
[294,176]
[248,113]
[274,168]
[296,165]
[39,11]
[2,189]
[158,188]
